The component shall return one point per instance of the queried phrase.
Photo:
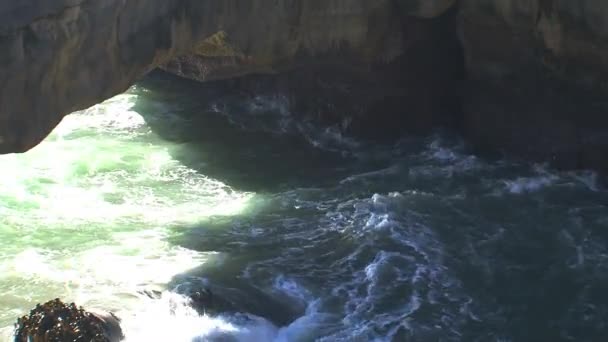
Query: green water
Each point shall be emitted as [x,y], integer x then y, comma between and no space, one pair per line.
[175,186]
[86,215]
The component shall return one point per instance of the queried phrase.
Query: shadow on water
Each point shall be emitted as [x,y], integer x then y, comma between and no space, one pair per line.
[256,251]
[254,160]
[248,160]
[511,264]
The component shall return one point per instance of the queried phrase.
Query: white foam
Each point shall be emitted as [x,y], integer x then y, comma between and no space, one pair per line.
[270,104]
[437,151]
[107,276]
[329,138]
[392,170]
[114,116]
[415,269]
[541,180]
[306,328]
[171,318]
[589,178]
[291,288]
[73,231]
[438,161]
[529,184]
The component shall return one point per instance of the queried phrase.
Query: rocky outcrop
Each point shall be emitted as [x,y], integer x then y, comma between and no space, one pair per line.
[568,38]
[58,56]
[535,69]
[58,321]
[536,79]
[61,56]
[395,74]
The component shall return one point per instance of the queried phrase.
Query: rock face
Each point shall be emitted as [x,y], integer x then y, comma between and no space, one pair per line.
[58,56]
[61,56]
[384,71]
[536,79]
[521,77]
[568,38]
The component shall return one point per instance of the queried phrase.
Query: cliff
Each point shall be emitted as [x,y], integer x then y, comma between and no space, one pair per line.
[536,79]
[58,56]
[521,77]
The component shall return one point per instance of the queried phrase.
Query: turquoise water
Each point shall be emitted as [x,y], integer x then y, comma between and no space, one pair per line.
[87,214]
[311,235]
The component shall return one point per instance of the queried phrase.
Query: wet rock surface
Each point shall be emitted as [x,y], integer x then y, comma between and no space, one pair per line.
[58,321]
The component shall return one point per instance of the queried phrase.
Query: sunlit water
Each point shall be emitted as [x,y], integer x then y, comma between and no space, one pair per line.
[311,235]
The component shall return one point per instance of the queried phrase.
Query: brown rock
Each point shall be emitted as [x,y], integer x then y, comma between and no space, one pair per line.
[58,321]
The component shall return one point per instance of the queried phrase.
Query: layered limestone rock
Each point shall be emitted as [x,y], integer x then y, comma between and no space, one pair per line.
[537,73]
[535,84]
[569,38]
[58,56]
[59,321]
[378,69]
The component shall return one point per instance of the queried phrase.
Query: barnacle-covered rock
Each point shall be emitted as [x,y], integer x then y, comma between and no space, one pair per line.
[58,321]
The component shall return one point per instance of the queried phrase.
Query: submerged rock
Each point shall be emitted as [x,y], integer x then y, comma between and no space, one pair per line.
[58,321]
[203,300]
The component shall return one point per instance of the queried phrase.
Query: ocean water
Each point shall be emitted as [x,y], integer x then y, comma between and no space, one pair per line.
[310,235]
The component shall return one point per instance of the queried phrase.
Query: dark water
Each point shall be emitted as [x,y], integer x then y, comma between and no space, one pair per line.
[334,239]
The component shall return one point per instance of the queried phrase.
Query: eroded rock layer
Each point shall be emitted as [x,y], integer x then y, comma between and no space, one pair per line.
[525,78]
[536,79]
[59,56]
